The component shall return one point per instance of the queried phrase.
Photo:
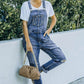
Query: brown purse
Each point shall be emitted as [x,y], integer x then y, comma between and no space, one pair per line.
[30,71]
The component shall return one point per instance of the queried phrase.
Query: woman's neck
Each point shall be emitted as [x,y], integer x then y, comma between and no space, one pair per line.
[36,1]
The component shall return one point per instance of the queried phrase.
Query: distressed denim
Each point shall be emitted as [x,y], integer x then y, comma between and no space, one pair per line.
[37,25]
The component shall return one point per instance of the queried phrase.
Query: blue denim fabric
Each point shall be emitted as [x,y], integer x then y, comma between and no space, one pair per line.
[37,25]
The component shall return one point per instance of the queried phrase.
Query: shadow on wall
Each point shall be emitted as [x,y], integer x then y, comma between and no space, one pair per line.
[78,81]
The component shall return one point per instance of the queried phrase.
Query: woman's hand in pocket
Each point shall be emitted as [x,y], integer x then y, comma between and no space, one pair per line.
[47,32]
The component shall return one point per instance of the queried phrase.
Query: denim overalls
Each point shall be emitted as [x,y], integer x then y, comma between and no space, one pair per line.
[37,25]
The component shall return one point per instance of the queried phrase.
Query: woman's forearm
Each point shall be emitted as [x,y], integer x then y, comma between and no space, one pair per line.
[53,22]
[25,31]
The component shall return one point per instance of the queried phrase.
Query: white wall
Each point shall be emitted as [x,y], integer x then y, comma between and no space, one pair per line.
[72,44]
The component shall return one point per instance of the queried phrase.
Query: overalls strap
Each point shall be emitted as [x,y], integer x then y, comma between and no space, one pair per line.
[29,4]
[43,3]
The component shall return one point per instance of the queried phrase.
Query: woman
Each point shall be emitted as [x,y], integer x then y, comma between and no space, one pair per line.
[34,14]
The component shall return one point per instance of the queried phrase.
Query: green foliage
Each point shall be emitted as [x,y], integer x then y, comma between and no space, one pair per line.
[69,13]
[11,26]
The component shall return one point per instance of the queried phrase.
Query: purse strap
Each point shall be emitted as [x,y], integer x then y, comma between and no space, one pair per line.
[33,56]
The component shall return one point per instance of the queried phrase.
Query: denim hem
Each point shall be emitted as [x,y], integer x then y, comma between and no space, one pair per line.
[44,70]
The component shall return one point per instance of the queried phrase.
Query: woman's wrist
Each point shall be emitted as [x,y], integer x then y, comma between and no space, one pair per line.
[28,42]
[50,29]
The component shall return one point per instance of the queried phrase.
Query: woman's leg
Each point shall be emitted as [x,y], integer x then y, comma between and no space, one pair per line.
[36,50]
[54,52]
[32,62]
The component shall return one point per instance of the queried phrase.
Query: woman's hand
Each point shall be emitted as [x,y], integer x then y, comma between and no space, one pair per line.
[29,47]
[47,31]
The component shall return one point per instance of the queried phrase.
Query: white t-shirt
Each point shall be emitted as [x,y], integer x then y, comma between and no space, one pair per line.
[25,11]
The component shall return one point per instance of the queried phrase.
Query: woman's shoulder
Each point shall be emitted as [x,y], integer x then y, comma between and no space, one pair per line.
[47,2]
[25,3]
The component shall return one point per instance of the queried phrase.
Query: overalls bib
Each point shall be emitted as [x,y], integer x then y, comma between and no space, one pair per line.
[37,25]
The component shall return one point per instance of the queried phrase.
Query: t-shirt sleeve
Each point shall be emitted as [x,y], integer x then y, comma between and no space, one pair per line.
[24,12]
[51,10]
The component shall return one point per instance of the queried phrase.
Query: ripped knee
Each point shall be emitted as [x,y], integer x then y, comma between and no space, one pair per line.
[58,60]
[63,60]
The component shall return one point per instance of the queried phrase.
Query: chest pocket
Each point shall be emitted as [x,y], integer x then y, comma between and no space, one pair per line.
[38,20]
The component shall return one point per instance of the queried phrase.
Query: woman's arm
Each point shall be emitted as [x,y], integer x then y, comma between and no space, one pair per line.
[25,31]
[26,34]
[53,22]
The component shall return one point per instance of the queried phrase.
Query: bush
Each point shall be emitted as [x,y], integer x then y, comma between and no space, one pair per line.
[10,25]
[70,14]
